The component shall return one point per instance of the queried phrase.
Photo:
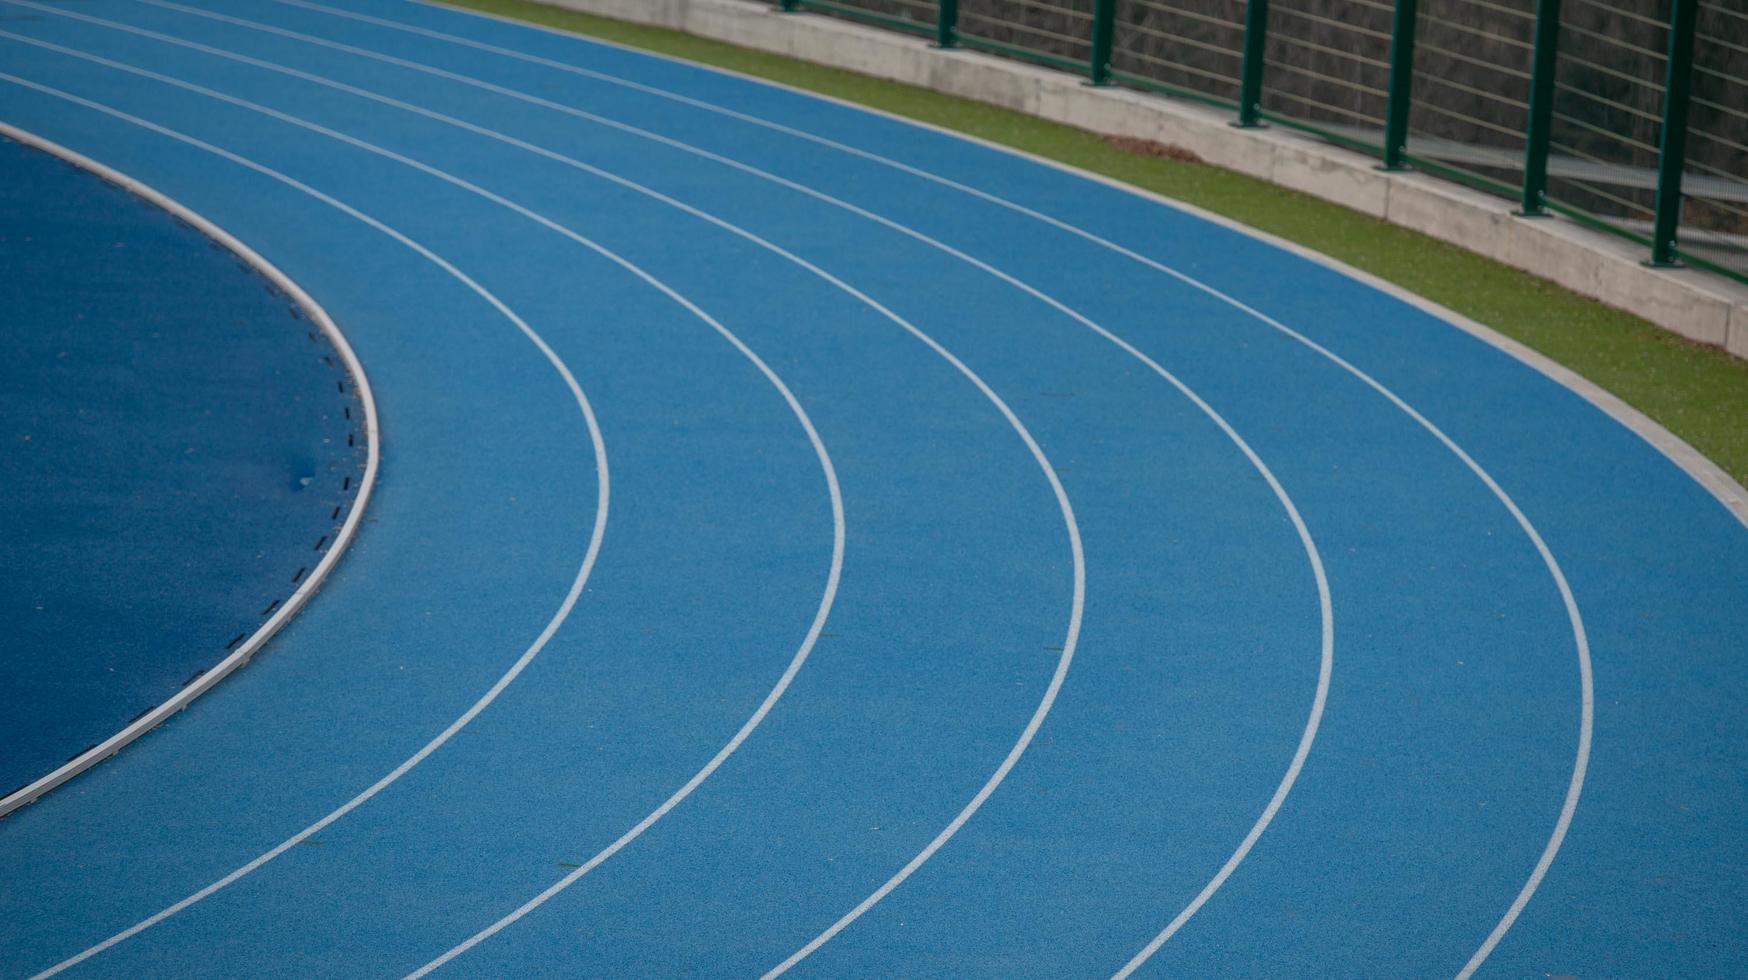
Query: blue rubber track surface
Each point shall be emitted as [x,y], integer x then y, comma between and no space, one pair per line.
[1075,677]
[179,449]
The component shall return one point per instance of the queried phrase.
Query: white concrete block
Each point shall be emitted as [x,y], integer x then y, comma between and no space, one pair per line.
[747,25]
[1335,175]
[661,12]
[1666,297]
[1072,103]
[986,79]
[666,13]
[1737,342]
[1452,213]
[1222,145]
[854,47]
[1124,112]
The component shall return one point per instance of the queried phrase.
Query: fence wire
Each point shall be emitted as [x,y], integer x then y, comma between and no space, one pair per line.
[1055,32]
[1608,105]
[912,16]
[1715,219]
[1193,45]
[1328,65]
[1472,61]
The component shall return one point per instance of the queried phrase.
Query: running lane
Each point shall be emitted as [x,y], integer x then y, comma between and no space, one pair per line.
[1452,724]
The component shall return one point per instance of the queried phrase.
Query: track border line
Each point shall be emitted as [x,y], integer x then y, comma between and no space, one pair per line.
[312,582]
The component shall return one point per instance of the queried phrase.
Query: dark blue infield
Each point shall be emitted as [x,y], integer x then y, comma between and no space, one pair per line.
[978,569]
[176,452]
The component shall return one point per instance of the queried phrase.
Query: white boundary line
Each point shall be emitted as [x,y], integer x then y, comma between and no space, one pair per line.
[348,529]
[1581,640]
[527,656]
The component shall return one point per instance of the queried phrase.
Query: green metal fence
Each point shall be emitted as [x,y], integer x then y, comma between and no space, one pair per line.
[1628,115]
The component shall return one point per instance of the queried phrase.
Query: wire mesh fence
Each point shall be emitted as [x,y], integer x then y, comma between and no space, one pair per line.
[1607,113]
[1631,115]
[1191,47]
[1055,32]
[1328,65]
[1471,83]
[911,16]
[1715,220]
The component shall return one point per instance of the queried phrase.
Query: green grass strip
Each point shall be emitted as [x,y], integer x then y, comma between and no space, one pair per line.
[1699,393]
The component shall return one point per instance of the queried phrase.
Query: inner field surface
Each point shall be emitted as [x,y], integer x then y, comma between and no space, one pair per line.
[182,446]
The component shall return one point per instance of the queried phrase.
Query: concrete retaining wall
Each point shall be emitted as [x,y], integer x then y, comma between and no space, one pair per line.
[1698,305]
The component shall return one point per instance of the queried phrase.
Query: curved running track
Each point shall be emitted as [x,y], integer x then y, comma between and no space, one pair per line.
[1005,574]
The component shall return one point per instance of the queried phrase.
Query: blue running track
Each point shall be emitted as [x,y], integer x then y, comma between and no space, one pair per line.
[806,541]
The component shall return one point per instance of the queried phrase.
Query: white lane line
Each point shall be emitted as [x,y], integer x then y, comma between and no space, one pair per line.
[564,609]
[1703,471]
[342,538]
[1326,657]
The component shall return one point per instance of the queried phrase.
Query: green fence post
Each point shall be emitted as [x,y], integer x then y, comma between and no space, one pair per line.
[1103,27]
[1256,28]
[947,24]
[1401,86]
[1543,65]
[1672,148]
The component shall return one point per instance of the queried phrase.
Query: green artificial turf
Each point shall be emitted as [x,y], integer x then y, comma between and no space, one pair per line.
[1698,392]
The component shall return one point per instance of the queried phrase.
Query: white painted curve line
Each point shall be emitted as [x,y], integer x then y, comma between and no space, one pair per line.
[342,538]
[528,655]
[838,533]
[1703,472]
[1320,697]
[746,729]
